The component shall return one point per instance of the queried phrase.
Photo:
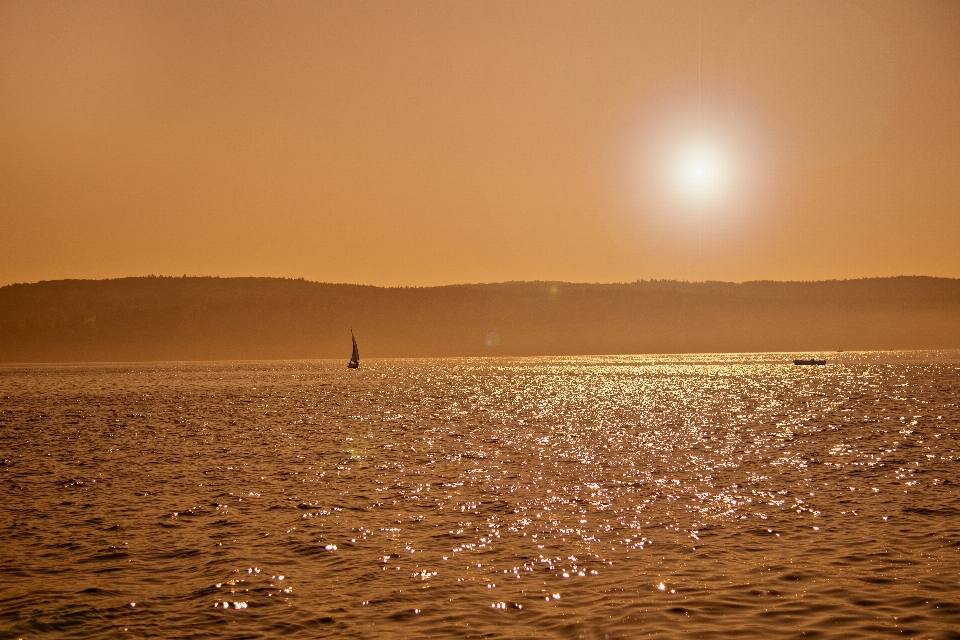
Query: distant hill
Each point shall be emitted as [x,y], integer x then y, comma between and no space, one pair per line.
[157,318]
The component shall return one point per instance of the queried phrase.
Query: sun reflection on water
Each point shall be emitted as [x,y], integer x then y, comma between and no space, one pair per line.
[598,488]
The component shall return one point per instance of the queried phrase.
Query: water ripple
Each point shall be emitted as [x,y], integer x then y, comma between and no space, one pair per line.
[592,497]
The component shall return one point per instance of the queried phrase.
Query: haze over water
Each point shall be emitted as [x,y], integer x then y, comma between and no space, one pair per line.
[682,496]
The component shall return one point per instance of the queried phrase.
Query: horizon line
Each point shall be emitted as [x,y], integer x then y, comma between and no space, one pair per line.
[685,354]
[475,284]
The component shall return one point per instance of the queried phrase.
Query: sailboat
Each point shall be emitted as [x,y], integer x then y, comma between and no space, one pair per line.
[355,358]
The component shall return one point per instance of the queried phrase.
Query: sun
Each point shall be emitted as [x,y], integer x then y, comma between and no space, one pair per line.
[699,171]
[686,176]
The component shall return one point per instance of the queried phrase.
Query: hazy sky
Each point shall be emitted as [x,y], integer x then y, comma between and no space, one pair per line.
[413,143]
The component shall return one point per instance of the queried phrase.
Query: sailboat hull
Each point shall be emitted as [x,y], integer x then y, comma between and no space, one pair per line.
[353,365]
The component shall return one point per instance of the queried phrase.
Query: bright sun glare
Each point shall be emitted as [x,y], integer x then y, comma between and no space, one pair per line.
[699,172]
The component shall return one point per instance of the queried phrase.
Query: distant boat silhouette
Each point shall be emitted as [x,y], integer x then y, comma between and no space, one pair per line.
[355,358]
[810,361]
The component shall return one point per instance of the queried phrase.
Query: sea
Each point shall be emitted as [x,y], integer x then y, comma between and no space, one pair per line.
[674,496]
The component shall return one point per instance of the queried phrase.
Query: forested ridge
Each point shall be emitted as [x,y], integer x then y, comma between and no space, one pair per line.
[204,318]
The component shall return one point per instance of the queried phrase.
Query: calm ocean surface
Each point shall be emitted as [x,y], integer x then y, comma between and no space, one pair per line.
[588,497]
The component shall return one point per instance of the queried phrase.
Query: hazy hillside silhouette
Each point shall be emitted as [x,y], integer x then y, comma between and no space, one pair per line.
[157,318]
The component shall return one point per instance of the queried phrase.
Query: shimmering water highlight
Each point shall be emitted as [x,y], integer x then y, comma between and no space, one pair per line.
[681,496]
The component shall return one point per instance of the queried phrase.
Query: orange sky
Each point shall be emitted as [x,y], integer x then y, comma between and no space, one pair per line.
[417,143]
